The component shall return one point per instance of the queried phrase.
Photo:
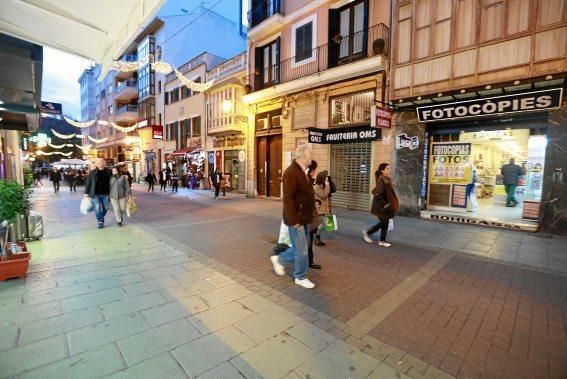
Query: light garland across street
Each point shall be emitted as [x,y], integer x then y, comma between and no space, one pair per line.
[63,136]
[79,124]
[98,140]
[56,146]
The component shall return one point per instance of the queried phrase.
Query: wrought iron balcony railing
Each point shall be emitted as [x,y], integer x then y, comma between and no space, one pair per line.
[338,51]
[262,10]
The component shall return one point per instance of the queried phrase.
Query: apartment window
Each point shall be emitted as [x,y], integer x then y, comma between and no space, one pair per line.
[109,89]
[110,109]
[146,82]
[159,118]
[268,62]
[102,94]
[167,98]
[196,126]
[303,39]
[146,110]
[159,86]
[351,109]
[352,19]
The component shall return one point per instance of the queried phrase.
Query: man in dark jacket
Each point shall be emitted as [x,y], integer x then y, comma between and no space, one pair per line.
[97,188]
[298,207]
[55,177]
[511,172]
[216,179]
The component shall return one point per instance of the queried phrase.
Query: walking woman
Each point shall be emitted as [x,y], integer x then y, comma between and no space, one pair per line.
[312,175]
[151,179]
[384,204]
[119,190]
[322,191]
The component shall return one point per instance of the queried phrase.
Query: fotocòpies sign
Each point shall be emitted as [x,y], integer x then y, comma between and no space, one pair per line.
[492,106]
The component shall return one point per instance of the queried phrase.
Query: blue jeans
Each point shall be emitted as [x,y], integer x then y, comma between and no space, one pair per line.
[101,205]
[297,252]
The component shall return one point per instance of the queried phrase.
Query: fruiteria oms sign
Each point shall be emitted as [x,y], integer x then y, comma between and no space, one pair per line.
[491,106]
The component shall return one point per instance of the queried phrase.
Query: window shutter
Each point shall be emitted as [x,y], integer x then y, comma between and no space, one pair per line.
[259,67]
[333,31]
[277,62]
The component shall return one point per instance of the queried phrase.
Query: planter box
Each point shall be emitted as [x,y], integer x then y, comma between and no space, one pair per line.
[16,265]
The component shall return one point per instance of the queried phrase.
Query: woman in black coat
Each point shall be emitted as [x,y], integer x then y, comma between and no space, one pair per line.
[384,204]
[151,179]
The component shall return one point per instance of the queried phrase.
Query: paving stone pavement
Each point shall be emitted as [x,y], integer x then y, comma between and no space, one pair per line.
[128,303]
[186,289]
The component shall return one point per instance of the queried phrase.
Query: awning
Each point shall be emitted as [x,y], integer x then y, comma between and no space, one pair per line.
[185,151]
[98,30]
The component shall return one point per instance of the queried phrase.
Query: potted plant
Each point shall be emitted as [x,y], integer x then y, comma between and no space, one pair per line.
[378,46]
[14,201]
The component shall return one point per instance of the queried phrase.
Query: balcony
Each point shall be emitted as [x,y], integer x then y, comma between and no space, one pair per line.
[227,69]
[120,75]
[126,113]
[226,125]
[342,58]
[127,90]
[264,17]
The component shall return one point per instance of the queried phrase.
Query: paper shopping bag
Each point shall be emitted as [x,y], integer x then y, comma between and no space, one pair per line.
[331,223]
[391,224]
[131,207]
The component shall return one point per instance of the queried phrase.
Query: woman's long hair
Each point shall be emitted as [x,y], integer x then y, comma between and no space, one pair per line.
[321,177]
[380,170]
[118,170]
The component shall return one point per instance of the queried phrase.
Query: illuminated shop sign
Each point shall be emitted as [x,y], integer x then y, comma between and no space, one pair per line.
[492,106]
[344,135]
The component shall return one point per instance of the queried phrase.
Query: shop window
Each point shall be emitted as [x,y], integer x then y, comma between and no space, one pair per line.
[351,109]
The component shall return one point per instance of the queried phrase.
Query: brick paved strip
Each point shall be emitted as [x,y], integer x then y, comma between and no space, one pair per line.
[215,220]
[371,316]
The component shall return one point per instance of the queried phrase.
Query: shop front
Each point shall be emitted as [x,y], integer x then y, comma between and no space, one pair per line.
[490,161]
[230,155]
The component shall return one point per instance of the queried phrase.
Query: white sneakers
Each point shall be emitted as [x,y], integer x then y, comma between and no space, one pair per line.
[366,237]
[279,269]
[305,283]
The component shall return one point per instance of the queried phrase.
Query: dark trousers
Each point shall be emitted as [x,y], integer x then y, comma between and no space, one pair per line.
[162,186]
[217,190]
[72,186]
[382,225]
[151,186]
[310,247]
[56,186]
[510,194]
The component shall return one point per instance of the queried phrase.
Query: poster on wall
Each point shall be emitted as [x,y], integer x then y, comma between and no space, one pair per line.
[450,163]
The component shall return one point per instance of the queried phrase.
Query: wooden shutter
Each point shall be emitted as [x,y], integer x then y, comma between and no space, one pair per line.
[259,67]
[276,77]
[333,50]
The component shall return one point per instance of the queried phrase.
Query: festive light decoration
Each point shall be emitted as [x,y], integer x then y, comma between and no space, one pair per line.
[56,146]
[161,67]
[64,136]
[102,122]
[98,140]
[79,124]
[67,154]
[70,145]
[198,87]
[86,147]
[126,129]
[126,66]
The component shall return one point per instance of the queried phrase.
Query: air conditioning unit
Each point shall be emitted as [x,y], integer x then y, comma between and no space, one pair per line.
[262,124]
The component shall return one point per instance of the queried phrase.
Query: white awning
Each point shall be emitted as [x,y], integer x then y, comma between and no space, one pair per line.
[99,30]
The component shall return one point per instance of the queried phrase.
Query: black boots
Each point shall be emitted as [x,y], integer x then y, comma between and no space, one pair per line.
[317,240]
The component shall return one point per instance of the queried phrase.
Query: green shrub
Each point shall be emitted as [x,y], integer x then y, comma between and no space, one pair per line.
[28,177]
[14,200]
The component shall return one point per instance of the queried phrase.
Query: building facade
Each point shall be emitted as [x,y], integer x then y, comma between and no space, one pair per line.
[226,121]
[476,83]
[316,69]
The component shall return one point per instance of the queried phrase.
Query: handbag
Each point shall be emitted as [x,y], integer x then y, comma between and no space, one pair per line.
[331,224]
[131,207]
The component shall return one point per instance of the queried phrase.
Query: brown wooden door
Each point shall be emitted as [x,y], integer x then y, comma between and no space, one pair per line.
[261,165]
[275,165]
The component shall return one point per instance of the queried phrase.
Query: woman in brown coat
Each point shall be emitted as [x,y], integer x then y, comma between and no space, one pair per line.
[322,191]
[384,204]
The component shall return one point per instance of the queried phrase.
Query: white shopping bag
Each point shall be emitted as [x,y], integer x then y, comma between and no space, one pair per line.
[87,205]
[284,235]
[391,224]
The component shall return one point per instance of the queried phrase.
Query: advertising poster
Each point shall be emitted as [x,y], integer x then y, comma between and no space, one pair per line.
[450,163]
[459,198]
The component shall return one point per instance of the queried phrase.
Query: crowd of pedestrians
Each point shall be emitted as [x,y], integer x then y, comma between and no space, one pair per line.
[307,211]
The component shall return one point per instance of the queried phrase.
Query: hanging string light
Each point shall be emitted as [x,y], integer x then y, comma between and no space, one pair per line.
[64,136]
[161,67]
[86,147]
[124,129]
[126,66]
[198,87]
[79,124]
[102,122]
[56,146]
[67,154]
[98,140]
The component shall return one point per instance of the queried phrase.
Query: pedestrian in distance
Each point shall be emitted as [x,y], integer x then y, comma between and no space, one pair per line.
[97,188]
[72,179]
[119,191]
[511,172]
[298,208]
[162,180]
[129,176]
[312,175]
[174,182]
[322,190]
[55,177]
[384,205]
[216,179]
[150,179]
[37,178]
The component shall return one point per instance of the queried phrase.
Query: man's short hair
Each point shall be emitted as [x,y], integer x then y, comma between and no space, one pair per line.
[301,150]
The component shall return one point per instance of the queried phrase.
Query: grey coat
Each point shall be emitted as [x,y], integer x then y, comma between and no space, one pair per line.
[119,187]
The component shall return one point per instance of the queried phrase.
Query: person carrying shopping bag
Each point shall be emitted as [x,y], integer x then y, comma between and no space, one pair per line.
[119,191]
[322,191]
[384,205]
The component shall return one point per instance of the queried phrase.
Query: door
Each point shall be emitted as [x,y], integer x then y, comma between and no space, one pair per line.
[352,27]
[275,165]
[261,165]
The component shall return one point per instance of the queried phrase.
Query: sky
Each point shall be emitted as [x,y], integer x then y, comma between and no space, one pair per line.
[62,70]
[60,74]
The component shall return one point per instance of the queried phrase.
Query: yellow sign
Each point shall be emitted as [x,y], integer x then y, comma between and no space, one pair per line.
[450,163]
